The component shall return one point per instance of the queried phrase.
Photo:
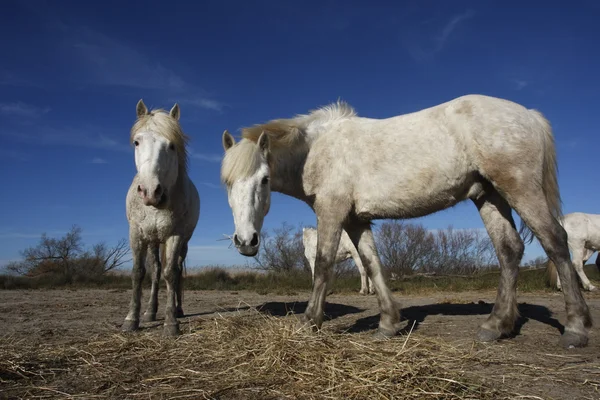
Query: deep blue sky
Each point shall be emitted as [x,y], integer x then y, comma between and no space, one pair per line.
[71,73]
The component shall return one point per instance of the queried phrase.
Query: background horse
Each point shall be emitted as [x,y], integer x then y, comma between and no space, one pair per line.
[163,207]
[583,231]
[352,170]
[345,250]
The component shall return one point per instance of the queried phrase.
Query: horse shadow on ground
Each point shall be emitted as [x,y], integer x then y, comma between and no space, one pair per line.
[414,315]
[159,321]
[281,309]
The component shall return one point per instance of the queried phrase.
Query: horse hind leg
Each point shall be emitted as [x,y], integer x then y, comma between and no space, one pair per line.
[580,256]
[362,236]
[153,260]
[180,263]
[534,210]
[171,265]
[496,215]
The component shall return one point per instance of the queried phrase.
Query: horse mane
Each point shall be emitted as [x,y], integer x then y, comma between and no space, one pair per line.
[284,133]
[244,157]
[160,121]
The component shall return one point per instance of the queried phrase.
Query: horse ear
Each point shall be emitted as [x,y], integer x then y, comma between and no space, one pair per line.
[228,140]
[141,109]
[175,112]
[263,144]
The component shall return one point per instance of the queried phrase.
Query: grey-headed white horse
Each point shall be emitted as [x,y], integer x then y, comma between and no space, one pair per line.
[352,170]
[345,250]
[583,231]
[163,207]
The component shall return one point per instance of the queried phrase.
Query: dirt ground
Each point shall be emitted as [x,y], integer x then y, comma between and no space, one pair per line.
[531,362]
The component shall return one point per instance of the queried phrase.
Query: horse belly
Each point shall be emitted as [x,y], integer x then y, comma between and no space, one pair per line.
[414,190]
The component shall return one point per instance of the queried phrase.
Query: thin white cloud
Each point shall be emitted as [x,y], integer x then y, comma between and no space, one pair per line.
[451,26]
[203,102]
[20,109]
[98,160]
[113,63]
[8,78]
[216,158]
[210,185]
[424,41]
[519,84]
[89,137]
[13,155]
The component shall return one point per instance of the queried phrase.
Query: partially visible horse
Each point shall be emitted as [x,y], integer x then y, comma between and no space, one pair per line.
[352,170]
[163,207]
[345,250]
[583,231]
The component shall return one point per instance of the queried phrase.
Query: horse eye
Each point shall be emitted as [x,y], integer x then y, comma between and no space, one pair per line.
[136,143]
[265,180]
[171,146]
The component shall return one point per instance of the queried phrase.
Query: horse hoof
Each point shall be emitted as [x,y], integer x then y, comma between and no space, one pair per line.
[171,330]
[148,317]
[130,325]
[383,334]
[486,335]
[179,313]
[570,340]
[363,292]
[592,288]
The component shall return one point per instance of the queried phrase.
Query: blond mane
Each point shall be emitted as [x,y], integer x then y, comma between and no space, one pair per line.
[244,158]
[161,122]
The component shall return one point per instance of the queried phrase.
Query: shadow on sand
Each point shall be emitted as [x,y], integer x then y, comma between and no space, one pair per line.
[414,315]
[281,309]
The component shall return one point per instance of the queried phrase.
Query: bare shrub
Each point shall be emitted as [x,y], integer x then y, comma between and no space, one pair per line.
[462,251]
[66,257]
[408,248]
[281,252]
[404,248]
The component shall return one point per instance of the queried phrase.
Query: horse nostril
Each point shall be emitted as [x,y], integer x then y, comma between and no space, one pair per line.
[254,241]
[236,241]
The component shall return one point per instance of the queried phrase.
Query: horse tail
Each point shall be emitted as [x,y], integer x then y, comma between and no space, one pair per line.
[551,274]
[163,255]
[549,174]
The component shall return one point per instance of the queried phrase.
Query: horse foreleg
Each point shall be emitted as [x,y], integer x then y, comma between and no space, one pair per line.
[153,260]
[329,230]
[497,218]
[362,236]
[138,249]
[172,249]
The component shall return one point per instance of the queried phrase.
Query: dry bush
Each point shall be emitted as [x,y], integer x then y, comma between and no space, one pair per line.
[246,356]
[281,252]
[67,258]
[407,248]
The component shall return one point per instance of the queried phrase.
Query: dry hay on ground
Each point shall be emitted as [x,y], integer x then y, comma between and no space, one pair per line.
[241,357]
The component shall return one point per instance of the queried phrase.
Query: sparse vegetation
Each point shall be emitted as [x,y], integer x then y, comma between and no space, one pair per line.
[56,262]
[65,260]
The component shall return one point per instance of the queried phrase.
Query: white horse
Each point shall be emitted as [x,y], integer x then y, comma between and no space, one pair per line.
[352,170]
[583,231]
[163,207]
[345,250]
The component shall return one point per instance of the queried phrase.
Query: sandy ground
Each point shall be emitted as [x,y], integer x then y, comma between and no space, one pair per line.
[67,316]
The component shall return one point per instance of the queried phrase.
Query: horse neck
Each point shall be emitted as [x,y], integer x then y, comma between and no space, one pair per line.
[287,170]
